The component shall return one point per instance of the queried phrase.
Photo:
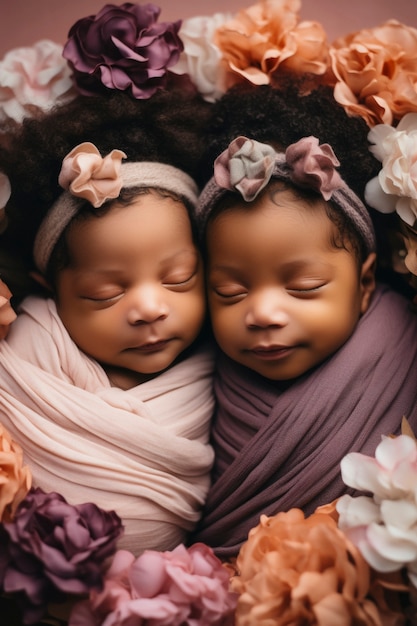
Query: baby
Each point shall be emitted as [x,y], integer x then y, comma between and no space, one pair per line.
[315,357]
[106,380]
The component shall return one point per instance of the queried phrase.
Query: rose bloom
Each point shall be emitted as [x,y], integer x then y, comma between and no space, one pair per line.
[52,548]
[185,586]
[201,57]
[376,72]
[33,78]
[122,47]
[267,38]
[15,477]
[297,570]
[383,525]
[7,314]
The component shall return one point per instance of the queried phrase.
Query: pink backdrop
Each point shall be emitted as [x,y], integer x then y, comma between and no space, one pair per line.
[22,23]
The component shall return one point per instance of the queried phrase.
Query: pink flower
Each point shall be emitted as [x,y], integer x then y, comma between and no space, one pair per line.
[33,78]
[86,174]
[384,524]
[122,47]
[185,586]
[376,72]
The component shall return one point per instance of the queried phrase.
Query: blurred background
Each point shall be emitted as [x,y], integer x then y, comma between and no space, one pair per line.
[22,23]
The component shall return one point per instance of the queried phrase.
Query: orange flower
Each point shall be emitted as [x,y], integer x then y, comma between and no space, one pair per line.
[15,478]
[376,72]
[7,315]
[267,37]
[297,570]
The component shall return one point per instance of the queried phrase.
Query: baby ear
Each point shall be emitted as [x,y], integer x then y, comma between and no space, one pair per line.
[367,281]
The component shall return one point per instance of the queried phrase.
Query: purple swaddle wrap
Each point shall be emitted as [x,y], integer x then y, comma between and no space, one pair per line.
[279,448]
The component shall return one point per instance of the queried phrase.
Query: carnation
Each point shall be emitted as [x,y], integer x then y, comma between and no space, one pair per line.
[178,588]
[15,477]
[297,570]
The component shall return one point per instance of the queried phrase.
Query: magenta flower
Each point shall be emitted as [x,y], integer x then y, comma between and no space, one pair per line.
[124,48]
[178,588]
[52,548]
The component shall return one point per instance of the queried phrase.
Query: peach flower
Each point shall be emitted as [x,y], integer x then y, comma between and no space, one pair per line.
[267,37]
[295,570]
[376,72]
[35,77]
[15,478]
[7,315]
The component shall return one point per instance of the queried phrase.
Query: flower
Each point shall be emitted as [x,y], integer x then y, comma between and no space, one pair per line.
[384,524]
[295,570]
[88,175]
[267,37]
[15,477]
[7,314]
[185,586]
[201,57]
[52,548]
[395,187]
[246,165]
[376,72]
[31,78]
[122,47]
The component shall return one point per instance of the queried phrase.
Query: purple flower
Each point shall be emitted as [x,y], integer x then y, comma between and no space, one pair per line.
[52,548]
[123,47]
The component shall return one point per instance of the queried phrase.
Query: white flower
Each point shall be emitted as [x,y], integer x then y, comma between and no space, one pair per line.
[36,76]
[201,57]
[383,525]
[395,187]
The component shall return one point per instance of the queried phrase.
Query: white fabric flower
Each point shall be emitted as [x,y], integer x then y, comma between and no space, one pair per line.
[201,58]
[36,76]
[383,525]
[395,187]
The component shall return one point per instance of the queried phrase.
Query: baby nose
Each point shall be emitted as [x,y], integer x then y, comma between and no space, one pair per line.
[268,309]
[147,304]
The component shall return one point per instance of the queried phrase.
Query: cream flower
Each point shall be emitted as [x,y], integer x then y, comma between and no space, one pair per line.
[201,57]
[376,72]
[395,187]
[30,77]
[383,525]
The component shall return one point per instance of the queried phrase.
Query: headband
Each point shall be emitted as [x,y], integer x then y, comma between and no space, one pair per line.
[247,166]
[86,175]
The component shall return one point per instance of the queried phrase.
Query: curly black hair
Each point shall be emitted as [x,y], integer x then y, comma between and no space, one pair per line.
[167,128]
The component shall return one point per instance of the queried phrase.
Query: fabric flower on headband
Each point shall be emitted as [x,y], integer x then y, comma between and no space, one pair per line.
[395,187]
[247,165]
[86,174]
[124,48]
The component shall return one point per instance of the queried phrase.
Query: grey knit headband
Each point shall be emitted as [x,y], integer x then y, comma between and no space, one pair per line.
[247,166]
[110,177]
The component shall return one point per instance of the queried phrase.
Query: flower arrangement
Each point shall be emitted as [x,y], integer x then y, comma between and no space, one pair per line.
[352,561]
